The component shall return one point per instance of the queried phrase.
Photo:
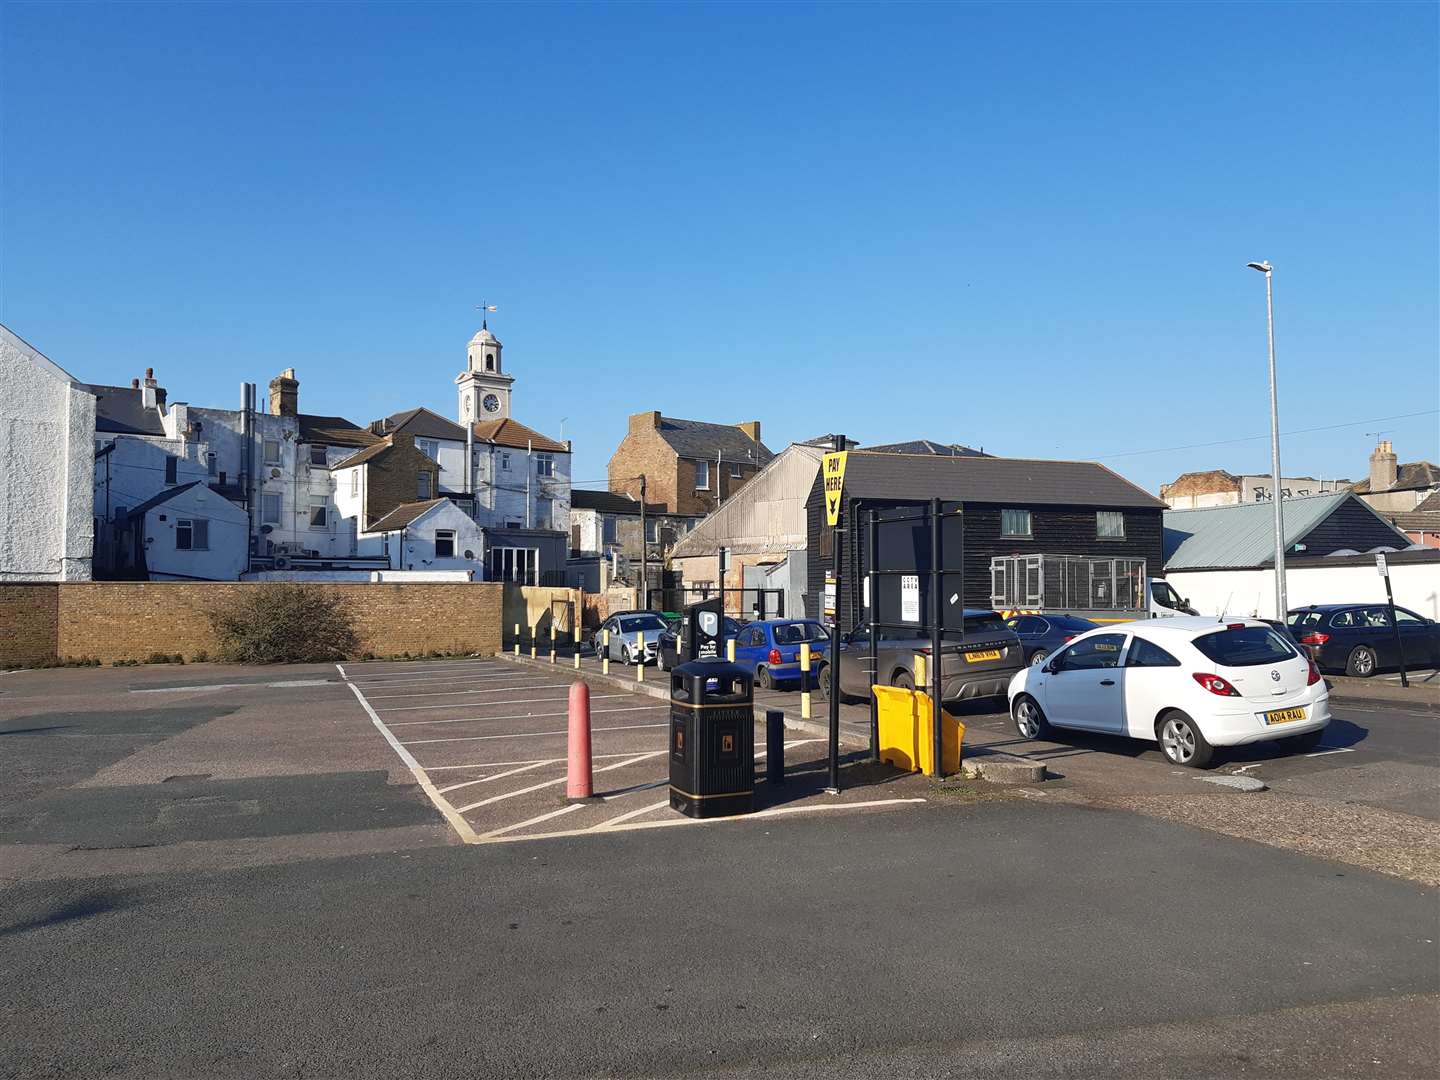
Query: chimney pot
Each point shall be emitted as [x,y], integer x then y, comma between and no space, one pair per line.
[134,384]
[285,394]
[149,372]
[752,429]
[1384,467]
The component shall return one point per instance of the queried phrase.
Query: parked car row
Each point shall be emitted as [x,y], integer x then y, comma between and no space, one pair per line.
[1359,639]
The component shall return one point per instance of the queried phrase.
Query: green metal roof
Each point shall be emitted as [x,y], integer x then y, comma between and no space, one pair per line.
[1237,537]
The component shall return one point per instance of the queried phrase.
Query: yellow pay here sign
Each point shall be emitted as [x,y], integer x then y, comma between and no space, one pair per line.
[833,469]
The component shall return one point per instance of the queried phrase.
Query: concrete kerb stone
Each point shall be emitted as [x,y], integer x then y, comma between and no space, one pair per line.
[998,767]
[1378,689]
[662,693]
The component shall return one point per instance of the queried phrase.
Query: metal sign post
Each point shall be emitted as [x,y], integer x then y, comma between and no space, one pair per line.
[1383,568]
[833,470]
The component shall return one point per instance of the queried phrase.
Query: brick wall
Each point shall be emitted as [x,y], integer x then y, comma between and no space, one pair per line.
[29,624]
[129,620]
[393,477]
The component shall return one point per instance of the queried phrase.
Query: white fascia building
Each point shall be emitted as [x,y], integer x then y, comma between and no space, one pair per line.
[47,420]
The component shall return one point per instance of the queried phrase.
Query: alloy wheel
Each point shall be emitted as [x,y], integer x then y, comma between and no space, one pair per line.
[1027,719]
[1178,740]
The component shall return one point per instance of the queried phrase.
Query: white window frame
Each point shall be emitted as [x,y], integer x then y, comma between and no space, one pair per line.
[429,447]
[212,464]
[544,464]
[1114,517]
[702,475]
[265,517]
[196,531]
[736,473]
[446,536]
[324,523]
[355,483]
[1029,522]
[270,451]
[505,462]
[321,455]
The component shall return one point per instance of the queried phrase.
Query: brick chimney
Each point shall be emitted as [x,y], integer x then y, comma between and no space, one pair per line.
[752,429]
[285,394]
[1384,467]
[645,421]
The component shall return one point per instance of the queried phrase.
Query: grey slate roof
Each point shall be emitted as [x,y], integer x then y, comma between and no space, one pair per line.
[333,431]
[1408,477]
[163,497]
[1009,481]
[926,446]
[608,502]
[421,423]
[1241,537]
[121,410]
[403,515]
[698,439]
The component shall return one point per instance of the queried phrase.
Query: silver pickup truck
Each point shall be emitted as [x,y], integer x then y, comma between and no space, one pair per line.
[981,666]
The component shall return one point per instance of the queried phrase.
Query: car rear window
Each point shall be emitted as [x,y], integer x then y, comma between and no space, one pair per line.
[1304,620]
[1245,647]
[796,632]
[989,623]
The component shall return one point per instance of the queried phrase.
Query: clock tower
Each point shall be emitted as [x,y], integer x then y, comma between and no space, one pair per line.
[484,387]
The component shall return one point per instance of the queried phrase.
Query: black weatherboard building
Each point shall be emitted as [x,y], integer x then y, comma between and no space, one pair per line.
[1017,513]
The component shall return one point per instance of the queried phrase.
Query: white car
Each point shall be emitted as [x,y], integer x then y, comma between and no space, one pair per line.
[1189,683]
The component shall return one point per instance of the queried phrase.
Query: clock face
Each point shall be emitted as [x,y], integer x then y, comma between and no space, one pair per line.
[491,403]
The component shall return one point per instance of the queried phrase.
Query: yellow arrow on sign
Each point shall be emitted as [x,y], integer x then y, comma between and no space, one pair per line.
[833,469]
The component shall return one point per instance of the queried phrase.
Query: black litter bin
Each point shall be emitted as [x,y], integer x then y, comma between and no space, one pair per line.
[712,739]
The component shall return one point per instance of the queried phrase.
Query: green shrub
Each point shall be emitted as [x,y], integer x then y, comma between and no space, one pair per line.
[284,624]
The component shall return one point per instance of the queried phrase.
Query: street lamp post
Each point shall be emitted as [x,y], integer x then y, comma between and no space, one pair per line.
[1275,494]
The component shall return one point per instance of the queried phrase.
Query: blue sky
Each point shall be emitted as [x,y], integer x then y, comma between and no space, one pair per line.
[1023,227]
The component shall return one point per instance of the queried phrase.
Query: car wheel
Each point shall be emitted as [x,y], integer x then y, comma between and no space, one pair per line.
[625,654]
[1040,656]
[903,681]
[821,683]
[1298,744]
[1182,742]
[764,678]
[1029,718]
[1361,662]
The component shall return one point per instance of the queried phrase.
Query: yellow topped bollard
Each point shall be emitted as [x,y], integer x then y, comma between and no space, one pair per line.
[804,680]
[577,644]
[921,675]
[604,652]
[517,639]
[730,650]
[639,655]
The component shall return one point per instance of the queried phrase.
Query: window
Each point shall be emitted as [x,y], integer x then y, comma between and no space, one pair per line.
[171,465]
[652,530]
[1014,522]
[192,534]
[317,455]
[212,464]
[1147,654]
[735,473]
[1376,618]
[544,513]
[1092,653]
[505,461]
[319,515]
[270,509]
[796,632]
[608,529]
[752,637]
[423,486]
[354,483]
[544,465]
[1247,646]
[520,565]
[429,447]
[489,361]
[1408,618]
[444,543]
[632,624]
[1109,524]
[272,451]
[702,476]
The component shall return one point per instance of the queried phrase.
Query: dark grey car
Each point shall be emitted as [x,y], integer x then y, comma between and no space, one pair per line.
[981,666]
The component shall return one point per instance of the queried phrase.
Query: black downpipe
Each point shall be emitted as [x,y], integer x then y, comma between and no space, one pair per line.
[936,638]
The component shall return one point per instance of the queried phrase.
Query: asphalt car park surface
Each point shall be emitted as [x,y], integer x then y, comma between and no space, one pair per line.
[229,872]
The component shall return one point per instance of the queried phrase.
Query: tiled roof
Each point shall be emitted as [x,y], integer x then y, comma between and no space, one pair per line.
[1009,481]
[1202,483]
[698,439]
[403,515]
[422,424]
[1417,475]
[512,433]
[370,453]
[1415,520]
[121,410]
[334,431]
[163,497]
[926,446]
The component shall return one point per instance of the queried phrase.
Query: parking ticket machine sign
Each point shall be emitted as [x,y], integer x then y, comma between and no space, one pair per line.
[706,621]
[833,470]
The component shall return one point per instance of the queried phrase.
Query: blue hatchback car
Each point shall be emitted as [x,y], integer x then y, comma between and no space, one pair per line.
[771,648]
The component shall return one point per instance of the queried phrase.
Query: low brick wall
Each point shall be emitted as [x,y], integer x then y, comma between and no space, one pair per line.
[29,624]
[126,620]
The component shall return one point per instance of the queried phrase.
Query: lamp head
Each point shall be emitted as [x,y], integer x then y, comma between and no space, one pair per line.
[1263,267]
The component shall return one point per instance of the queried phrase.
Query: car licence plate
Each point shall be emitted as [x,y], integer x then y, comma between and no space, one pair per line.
[1284,716]
[977,657]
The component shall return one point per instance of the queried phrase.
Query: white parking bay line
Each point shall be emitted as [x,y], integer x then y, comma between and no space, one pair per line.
[457,693]
[538,715]
[531,734]
[559,780]
[520,761]
[501,775]
[1334,750]
[533,821]
[494,704]
[628,815]
[458,823]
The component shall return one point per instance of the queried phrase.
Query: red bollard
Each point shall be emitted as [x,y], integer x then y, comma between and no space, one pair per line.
[580,782]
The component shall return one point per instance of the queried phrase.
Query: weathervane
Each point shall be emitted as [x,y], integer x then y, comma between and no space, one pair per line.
[485,309]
